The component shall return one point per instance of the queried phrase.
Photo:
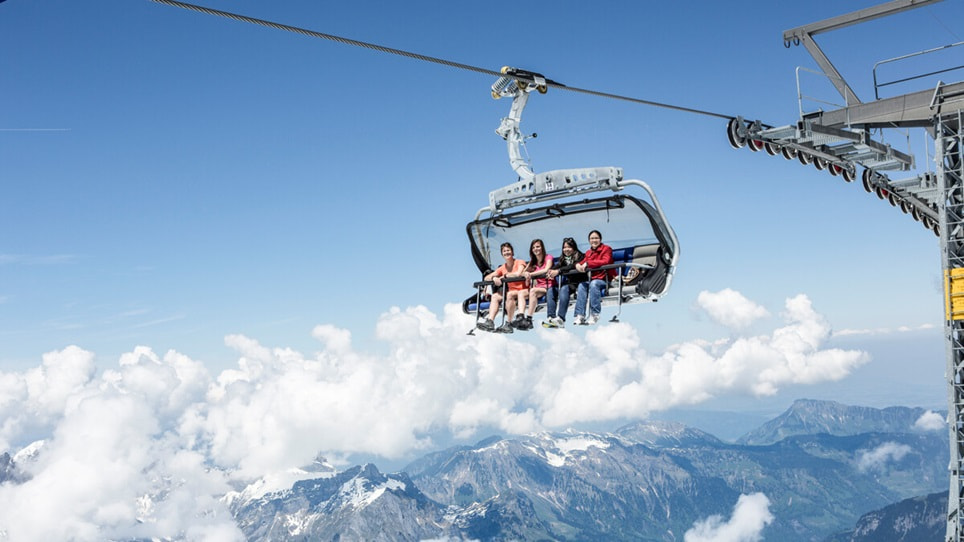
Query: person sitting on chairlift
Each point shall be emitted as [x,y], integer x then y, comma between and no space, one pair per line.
[535,273]
[564,280]
[597,256]
[512,268]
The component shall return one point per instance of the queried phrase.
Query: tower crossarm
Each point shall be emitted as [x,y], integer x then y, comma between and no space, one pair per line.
[804,34]
[914,110]
[848,19]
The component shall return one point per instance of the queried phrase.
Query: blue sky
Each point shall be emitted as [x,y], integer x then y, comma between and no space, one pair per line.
[225,249]
[208,177]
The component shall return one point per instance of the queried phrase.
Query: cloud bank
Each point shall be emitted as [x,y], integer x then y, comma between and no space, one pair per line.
[878,457]
[146,449]
[750,515]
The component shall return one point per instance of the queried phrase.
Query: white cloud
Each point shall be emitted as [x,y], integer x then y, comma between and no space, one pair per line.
[881,455]
[158,424]
[32,402]
[931,421]
[110,471]
[29,259]
[730,308]
[750,515]
[882,330]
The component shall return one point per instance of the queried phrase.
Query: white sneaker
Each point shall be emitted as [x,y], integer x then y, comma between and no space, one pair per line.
[559,322]
[580,320]
[593,320]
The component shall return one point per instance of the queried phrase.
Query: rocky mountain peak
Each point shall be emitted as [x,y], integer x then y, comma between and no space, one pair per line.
[812,417]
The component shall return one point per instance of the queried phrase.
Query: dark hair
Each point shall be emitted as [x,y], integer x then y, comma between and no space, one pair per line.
[506,244]
[597,233]
[571,242]
[532,255]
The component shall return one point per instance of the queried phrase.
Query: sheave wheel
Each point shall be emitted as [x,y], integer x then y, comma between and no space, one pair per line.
[733,135]
[865,177]
[849,173]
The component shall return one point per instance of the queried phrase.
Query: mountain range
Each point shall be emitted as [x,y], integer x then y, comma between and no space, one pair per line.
[917,519]
[825,469]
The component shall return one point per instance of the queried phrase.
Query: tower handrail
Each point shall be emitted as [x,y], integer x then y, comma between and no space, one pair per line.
[878,86]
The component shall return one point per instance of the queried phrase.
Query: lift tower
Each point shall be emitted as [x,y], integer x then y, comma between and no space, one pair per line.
[842,139]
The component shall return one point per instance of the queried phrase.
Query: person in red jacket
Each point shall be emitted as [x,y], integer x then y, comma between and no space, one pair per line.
[597,256]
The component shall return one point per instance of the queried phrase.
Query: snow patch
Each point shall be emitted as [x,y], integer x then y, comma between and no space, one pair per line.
[273,483]
[580,444]
[494,446]
[555,460]
[29,452]
[359,496]
[557,451]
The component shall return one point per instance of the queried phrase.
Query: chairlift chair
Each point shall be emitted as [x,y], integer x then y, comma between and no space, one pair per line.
[567,203]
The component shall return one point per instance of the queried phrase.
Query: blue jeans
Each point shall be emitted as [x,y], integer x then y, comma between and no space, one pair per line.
[558,295]
[594,289]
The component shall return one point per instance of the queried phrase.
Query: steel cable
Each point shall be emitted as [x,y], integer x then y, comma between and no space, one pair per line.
[416,56]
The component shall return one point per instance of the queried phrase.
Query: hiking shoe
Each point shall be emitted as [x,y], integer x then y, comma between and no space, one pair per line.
[593,320]
[504,328]
[485,325]
[522,323]
[580,320]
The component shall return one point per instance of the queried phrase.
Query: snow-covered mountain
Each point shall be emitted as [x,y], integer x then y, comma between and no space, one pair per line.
[645,481]
[360,503]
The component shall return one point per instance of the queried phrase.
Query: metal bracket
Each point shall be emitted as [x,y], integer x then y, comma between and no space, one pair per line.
[555,184]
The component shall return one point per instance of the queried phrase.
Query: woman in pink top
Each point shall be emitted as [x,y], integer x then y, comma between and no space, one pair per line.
[536,275]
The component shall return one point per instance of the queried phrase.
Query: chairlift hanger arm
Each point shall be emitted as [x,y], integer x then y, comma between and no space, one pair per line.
[517,83]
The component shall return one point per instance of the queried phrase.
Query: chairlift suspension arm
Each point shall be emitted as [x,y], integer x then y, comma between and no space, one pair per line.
[509,130]
[533,186]
[518,84]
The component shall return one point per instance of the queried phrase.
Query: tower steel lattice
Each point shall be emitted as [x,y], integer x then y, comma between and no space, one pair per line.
[842,140]
[950,176]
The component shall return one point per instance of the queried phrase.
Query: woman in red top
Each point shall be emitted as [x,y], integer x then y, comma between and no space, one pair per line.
[512,268]
[597,256]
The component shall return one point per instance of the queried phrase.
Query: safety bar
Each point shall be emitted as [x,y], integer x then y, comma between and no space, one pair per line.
[480,287]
